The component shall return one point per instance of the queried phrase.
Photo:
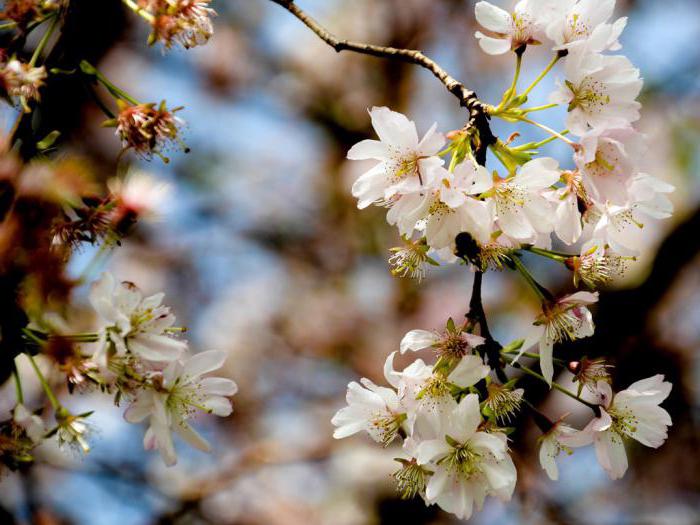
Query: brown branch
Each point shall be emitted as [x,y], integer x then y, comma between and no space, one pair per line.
[466,97]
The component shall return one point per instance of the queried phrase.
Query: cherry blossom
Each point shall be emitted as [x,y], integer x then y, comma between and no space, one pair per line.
[467,464]
[405,162]
[600,91]
[586,23]
[175,395]
[133,324]
[633,413]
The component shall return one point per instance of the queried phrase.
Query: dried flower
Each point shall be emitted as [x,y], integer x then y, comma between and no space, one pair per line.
[22,81]
[148,129]
[587,372]
[503,401]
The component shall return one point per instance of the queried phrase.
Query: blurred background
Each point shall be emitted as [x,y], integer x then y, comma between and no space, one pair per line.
[262,253]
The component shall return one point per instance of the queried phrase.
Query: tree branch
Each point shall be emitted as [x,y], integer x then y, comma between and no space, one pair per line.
[491,347]
[478,117]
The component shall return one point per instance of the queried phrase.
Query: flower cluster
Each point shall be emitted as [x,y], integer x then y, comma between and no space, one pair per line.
[448,207]
[137,356]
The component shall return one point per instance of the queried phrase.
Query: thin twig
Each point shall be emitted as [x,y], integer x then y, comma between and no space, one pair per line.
[478,116]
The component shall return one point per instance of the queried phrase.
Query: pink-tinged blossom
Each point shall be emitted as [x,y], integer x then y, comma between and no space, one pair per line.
[521,209]
[175,395]
[608,160]
[586,23]
[601,91]
[634,413]
[404,163]
[509,31]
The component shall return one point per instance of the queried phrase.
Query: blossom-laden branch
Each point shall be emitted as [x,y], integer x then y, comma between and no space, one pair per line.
[478,118]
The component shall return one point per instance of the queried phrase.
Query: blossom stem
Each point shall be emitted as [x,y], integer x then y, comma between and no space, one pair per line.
[544,73]
[512,90]
[555,386]
[116,92]
[540,290]
[535,145]
[44,40]
[8,25]
[549,130]
[540,108]
[532,356]
[18,383]
[44,384]
[140,11]
[548,254]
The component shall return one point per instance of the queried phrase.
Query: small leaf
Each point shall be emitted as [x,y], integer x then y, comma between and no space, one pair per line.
[48,140]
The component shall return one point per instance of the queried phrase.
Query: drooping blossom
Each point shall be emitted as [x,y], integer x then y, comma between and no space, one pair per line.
[22,81]
[133,324]
[634,413]
[175,395]
[405,163]
[148,129]
[597,265]
[184,22]
[566,319]
[467,464]
[553,443]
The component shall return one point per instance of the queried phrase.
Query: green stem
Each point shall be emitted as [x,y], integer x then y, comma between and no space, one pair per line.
[116,92]
[140,11]
[532,355]
[44,384]
[544,73]
[540,108]
[549,130]
[7,25]
[549,255]
[556,386]
[44,40]
[512,90]
[535,145]
[18,383]
[540,290]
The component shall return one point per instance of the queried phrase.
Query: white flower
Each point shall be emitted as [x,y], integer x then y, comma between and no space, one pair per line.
[552,444]
[467,464]
[453,342]
[139,195]
[374,409]
[600,90]
[175,395]
[405,161]
[585,23]
[596,265]
[567,214]
[608,161]
[622,227]
[32,424]
[447,208]
[525,25]
[566,319]
[521,210]
[133,323]
[634,413]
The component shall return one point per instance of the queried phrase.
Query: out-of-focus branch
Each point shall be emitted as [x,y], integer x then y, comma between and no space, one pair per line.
[478,118]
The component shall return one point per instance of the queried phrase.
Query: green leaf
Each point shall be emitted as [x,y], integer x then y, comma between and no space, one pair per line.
[48,140]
